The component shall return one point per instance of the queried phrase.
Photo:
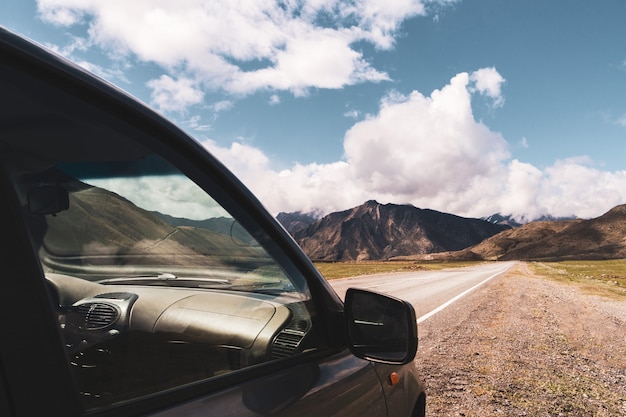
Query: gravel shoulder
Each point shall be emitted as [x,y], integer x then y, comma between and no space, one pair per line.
[523,345]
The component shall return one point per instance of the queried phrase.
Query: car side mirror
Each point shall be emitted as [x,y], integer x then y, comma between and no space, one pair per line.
[48,199]
[380,328]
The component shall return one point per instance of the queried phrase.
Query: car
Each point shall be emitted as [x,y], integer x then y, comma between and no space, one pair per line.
[141,277]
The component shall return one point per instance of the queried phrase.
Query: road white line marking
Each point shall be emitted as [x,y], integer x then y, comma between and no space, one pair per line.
[463,294]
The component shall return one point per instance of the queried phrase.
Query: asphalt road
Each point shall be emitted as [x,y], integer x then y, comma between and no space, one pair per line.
[428,291]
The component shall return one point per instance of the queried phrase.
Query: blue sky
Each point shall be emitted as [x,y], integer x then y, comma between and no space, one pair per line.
[470,107]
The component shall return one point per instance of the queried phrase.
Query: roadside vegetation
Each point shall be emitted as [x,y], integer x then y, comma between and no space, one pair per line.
[335,270]
[529,346]
[595,277]
[604,278]
[536,347]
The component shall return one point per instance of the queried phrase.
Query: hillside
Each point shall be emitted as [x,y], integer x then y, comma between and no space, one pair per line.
[375,231]
[601,238]
[294,222]
[372,231]
[121,224]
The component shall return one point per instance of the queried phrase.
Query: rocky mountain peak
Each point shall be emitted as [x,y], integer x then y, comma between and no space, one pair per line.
[374,231]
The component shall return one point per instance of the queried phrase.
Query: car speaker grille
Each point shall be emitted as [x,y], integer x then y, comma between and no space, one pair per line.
[97,315]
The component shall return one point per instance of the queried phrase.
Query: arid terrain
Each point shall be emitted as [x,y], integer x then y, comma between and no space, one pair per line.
[374,231]
[524,345]
[377,232]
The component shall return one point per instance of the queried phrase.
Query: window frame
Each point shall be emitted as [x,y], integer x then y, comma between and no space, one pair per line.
[208,173]
[32,358]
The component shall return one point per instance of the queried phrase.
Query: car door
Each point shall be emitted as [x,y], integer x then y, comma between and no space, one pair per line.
[326,384]
[326,381]
[338,385]
[113,307]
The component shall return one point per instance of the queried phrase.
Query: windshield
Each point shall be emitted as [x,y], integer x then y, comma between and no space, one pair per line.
[106,201]
[142,222]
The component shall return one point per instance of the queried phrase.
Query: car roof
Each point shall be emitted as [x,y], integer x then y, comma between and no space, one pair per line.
[45,108]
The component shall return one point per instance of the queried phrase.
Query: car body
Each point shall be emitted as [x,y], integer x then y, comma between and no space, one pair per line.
[140,277]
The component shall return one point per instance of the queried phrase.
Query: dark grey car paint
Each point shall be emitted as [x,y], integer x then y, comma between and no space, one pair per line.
[325,384]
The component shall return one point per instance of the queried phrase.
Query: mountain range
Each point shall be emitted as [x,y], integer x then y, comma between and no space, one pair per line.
[603,237]
[77,233]
[371,231]
[375,231]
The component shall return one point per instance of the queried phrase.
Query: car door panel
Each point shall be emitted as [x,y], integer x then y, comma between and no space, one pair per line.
[339,385]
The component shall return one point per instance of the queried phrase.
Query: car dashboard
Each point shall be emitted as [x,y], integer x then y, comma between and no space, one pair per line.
[127,340]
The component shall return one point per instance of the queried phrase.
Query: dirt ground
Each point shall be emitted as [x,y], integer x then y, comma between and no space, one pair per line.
[525,346]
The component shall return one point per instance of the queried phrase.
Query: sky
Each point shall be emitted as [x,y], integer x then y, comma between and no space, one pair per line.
[470,107]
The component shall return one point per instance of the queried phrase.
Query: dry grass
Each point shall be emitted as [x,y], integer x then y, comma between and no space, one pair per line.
[334,270]
[604,278]
[527,347]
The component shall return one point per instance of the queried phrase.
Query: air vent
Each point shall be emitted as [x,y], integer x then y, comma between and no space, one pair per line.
[286,343]
[96,316]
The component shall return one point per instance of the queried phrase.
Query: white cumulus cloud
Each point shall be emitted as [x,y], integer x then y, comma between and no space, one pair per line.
[242,45]
[575,187]
[427,150]
[488,82]
[431,152]
[174,95]
[424,147]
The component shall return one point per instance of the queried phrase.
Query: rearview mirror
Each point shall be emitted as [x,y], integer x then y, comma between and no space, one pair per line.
[380,328]
[48,199]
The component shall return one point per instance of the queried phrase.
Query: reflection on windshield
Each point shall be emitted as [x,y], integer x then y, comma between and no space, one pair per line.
[150,230]
[150,183]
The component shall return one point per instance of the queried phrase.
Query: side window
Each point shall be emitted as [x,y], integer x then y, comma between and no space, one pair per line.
[156,283]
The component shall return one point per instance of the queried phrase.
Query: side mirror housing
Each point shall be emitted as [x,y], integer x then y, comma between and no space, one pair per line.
[380,328]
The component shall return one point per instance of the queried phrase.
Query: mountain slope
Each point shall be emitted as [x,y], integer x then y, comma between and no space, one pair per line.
[601,238]
[375,231]
[294,222]
[100,225]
